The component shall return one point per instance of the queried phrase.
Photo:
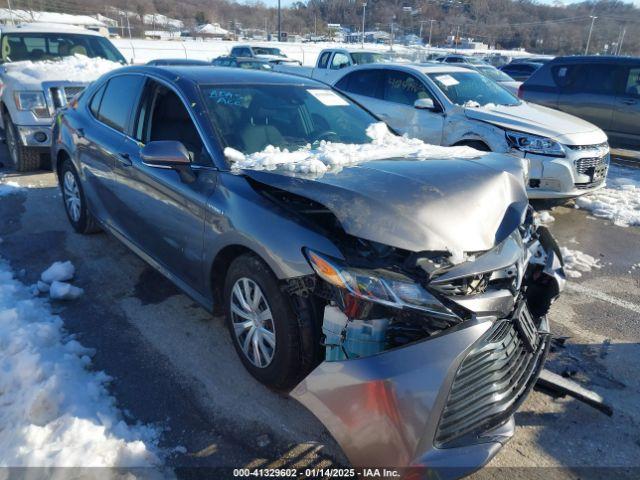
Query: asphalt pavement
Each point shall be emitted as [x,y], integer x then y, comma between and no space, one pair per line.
[174,366]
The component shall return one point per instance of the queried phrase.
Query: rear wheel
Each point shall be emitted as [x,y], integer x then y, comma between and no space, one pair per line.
[24,159]
[263,326]
[75,204]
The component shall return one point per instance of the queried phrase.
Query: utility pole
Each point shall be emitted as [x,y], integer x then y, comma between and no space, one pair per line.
[10,12]
[364,12]
[455,40]
[128,26]
[624,30]
[279,23]
[430,29]
[593,19]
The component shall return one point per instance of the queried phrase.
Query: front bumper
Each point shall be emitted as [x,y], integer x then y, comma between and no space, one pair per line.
[442,406]
[582,171]
[35,135]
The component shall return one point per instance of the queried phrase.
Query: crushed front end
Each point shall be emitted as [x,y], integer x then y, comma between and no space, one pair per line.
[428,356]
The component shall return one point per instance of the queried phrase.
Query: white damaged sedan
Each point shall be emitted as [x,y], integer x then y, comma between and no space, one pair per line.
[447,105]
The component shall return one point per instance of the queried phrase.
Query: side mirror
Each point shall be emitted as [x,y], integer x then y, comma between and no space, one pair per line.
[424,104]
[168,154]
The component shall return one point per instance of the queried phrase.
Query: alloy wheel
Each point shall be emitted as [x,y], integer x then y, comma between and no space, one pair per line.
[253,323]
[72,199]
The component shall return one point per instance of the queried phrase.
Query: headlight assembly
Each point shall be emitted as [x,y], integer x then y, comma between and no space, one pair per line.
[383,287]
[526,142]
[32,100]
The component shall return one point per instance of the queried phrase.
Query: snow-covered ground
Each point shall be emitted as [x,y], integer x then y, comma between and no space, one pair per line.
[55,411]
[332,156]
[577,262]
[619,201]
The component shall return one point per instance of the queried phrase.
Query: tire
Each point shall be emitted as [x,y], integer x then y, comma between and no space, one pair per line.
[74,201]
[24,159]
[285,367]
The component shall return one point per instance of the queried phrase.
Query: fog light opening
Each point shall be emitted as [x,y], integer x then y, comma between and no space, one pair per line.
[40,137]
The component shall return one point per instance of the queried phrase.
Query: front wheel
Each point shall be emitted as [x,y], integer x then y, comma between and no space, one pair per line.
[24,159]
[262,324]
[74,200]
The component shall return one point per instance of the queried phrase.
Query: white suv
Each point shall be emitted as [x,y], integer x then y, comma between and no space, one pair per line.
[447,105]
[41,68]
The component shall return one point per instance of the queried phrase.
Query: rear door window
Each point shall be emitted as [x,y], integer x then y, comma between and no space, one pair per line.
[340,60]
[120,96]
[402,87]
[600,78]
[363,82]
[632,84]
[324,60]
[94,106]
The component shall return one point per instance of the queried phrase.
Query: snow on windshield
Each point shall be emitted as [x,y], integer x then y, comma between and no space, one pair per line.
[329,156]
[619,201]
[55,411]
[77,68]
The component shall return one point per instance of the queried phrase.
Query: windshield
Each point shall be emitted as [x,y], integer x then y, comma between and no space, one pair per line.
[362,58]
[35,46]
[474,60]
[267,51]
[472,88]
[495,74]
[248,64]
[249,118]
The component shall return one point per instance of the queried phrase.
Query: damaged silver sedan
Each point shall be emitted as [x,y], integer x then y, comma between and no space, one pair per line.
[399,290]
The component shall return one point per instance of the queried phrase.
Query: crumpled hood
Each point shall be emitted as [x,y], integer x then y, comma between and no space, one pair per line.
[418,205]
[539,120]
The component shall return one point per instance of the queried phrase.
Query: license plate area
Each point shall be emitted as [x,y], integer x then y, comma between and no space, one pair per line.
[526,327]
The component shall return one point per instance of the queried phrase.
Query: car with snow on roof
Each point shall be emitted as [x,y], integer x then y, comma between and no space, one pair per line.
[42,67]
[451,105]
[398,290]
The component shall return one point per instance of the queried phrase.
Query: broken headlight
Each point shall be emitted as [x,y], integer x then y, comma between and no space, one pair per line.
[526,142]
[379,286]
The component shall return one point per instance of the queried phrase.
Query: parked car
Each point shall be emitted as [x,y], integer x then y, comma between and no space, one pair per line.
[537,59]
[30,96]
[602,90]
[497,76]
[388,289]
[240,62]
[449,105]
[331,63]
[520,71]
[160,62]
[272,54]
[455,58]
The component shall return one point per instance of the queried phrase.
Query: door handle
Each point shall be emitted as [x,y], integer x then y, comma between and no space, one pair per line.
[125,159]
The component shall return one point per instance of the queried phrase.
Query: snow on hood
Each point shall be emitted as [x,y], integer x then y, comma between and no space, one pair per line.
[329,156]
[538,120]
[460,203]
[77,68]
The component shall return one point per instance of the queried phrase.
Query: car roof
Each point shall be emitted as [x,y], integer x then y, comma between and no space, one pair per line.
[596,59]
[223,75]
[49,28]
[415,67]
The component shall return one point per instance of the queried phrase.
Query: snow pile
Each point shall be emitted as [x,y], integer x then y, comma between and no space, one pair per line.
[619,201]
[9,188]
[54,412]
[76,68]
[577,262]
[332,156]
[54,282]
[545,217]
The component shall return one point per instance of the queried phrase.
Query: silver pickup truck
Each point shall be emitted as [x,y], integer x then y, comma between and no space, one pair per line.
[42,67]
[332,62]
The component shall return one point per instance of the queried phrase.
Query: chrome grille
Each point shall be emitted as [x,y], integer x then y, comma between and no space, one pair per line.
[596,146]
[490,383]
[584,164]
